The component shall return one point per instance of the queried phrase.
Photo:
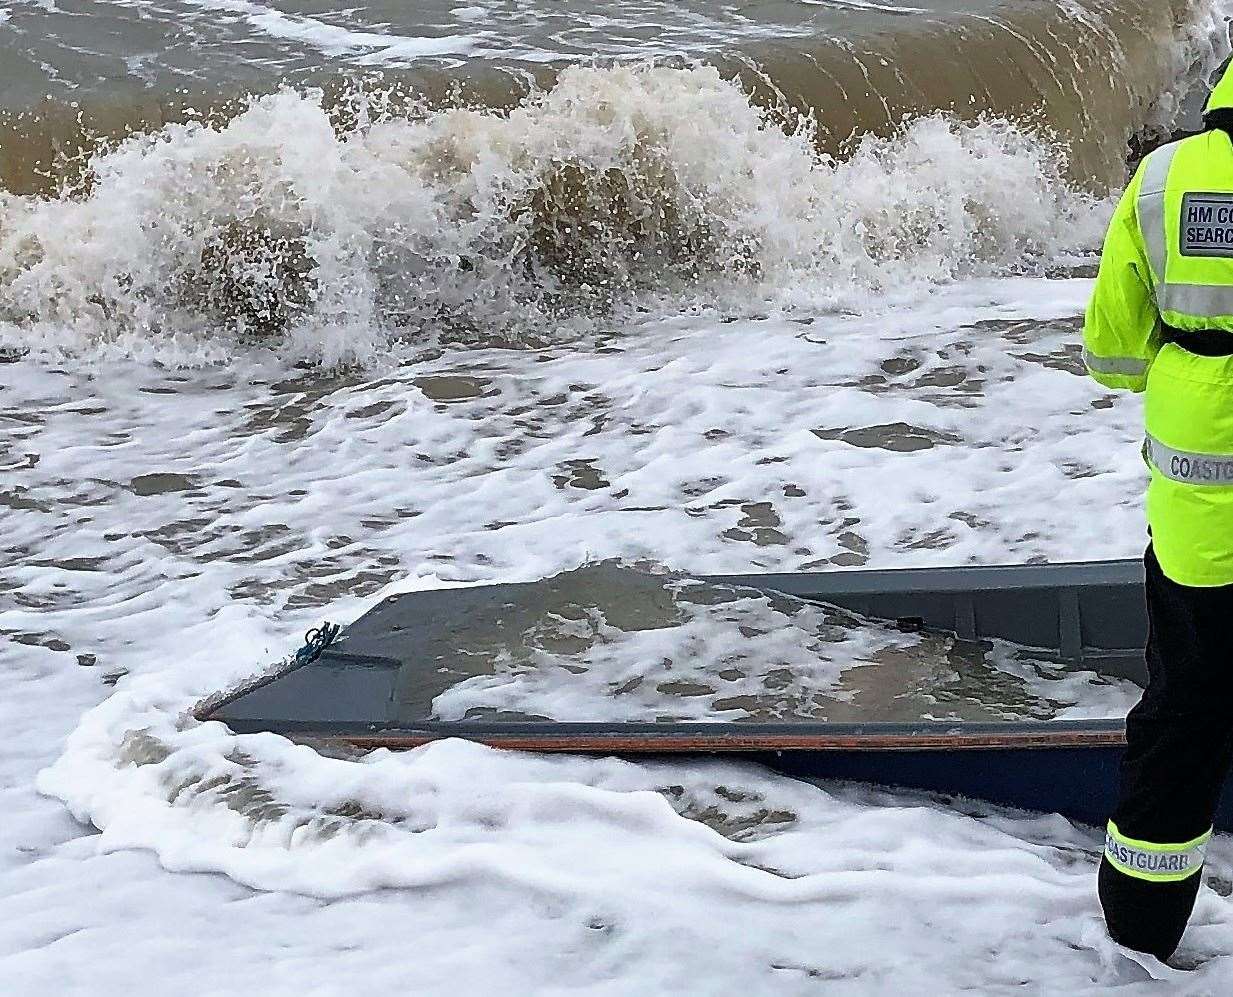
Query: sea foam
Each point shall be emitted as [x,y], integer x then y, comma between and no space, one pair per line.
[616,187]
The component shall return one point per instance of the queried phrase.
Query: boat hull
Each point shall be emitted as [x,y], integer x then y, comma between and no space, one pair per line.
[1090,614]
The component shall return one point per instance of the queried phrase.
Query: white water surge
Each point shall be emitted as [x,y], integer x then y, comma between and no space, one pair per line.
[186,526]
[617,187]
[868,362]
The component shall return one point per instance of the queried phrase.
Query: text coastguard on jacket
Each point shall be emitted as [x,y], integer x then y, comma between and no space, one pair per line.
[1166,270]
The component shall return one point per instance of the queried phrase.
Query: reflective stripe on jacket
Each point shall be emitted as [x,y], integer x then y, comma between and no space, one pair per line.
[1168,261]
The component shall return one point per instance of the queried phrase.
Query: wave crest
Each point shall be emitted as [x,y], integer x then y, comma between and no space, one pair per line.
[616,186]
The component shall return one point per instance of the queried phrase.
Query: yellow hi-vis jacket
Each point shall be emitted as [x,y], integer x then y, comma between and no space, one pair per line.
[1168,261]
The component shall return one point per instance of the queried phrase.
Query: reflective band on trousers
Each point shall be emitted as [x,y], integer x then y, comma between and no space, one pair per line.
[1188,467]
[1130,366]
[1158,863]
[1150,207]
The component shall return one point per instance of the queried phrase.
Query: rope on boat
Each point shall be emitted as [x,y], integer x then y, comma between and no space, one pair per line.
[316,641]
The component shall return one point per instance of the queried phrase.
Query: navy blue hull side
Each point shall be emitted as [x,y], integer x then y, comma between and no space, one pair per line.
[1080,782]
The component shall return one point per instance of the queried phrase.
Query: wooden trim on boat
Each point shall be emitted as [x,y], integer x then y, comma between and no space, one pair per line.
[734,741]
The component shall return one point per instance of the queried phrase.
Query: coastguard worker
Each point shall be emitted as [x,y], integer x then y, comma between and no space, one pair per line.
[1161,321]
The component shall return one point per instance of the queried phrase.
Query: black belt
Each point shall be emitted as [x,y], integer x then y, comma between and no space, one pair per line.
[1204,342]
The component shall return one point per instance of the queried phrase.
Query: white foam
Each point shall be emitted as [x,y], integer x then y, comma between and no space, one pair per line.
[873,5]
[335,40]
[1201,46]
[469,13]
[304,496]
[618,187]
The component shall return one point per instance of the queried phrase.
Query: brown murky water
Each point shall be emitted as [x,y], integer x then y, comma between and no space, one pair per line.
[608,641]
[1095,72]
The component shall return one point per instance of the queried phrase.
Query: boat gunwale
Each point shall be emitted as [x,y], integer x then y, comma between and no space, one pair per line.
[638,738]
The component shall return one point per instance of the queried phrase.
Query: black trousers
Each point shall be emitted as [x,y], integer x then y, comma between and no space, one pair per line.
[1179,747]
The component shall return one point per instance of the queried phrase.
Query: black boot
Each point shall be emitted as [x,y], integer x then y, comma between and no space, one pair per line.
[1146,916]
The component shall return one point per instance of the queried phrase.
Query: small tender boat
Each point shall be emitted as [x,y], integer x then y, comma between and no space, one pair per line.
[374,685]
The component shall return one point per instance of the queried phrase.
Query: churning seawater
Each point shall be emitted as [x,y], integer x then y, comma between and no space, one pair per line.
[303,305]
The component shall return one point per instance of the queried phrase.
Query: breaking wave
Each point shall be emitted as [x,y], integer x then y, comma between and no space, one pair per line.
[616,187]
[328,221]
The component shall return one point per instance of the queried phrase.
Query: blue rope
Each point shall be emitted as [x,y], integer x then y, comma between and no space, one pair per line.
[316,641]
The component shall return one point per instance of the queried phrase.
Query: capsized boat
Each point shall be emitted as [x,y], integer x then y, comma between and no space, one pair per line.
[611,659]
